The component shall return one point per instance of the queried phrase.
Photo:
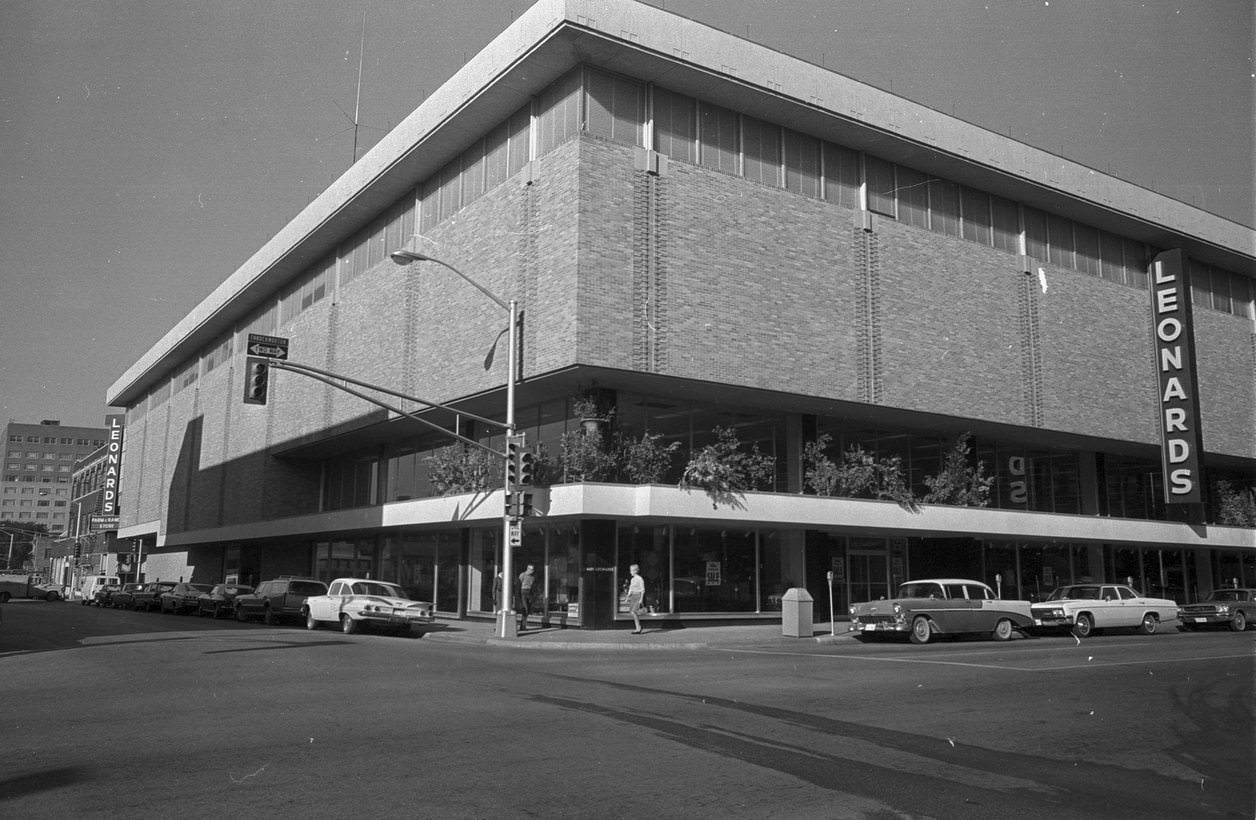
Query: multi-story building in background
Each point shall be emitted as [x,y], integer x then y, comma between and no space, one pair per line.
[38,461]
[709,241]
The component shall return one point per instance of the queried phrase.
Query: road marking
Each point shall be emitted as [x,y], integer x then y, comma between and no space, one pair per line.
[1000,667]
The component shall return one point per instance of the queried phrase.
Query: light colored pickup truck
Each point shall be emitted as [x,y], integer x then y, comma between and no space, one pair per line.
[356,602]
[27,586]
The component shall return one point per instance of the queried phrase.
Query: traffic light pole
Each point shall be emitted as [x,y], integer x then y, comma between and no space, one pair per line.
[506,627]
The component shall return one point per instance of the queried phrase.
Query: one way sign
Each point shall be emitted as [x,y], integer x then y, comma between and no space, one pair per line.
[273,347]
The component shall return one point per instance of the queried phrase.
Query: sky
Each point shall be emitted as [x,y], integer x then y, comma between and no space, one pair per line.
[149,147]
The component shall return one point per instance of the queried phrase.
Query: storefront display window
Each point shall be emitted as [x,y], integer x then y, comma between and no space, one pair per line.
[825,553]
[1002,570]
[649,548]
[1127,567]
[562,576]
[484,558]
[715,570]
[344,559]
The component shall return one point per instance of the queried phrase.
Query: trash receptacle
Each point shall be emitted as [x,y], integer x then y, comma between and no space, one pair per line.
[796,613]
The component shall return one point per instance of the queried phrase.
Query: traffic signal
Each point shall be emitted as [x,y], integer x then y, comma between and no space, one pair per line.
[78,550]
[525,467]
[514,449]
[518,505]
[256,379]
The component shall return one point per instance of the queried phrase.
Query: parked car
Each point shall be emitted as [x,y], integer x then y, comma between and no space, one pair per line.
[47,592]
[941,606]
[104,594]
[1084,608]
[355,602]
[221,599]
[182,598]
[272,601]
[148,597]
[1235,608]
[89,585]
[124,598]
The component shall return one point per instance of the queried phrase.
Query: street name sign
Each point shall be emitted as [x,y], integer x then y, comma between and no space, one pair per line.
[272,347]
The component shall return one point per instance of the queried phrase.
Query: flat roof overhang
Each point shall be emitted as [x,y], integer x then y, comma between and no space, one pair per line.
[680,54]
[653,503]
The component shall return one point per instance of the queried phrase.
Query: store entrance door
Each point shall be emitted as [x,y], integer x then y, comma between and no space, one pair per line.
[869,573]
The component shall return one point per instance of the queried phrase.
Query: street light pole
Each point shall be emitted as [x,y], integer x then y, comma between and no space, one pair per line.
[505,626]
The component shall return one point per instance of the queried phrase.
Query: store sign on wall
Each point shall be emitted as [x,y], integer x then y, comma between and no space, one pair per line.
[1180,438]
[114,425]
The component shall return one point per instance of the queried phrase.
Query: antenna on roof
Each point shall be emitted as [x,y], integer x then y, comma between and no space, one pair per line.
[357,104]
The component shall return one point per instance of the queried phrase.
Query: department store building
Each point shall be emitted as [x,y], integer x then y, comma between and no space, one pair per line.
[706,234]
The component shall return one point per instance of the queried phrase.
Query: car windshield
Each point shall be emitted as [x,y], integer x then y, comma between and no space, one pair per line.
[1228,595]
[919,590]
[229,590]
[1075,593]
[378,588]
[307,588]
[199,587]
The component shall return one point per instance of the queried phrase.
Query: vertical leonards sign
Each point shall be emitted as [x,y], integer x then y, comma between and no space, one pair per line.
[114,425]
[1180,438]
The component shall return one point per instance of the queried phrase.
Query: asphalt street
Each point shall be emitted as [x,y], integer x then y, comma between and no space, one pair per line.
[119,714]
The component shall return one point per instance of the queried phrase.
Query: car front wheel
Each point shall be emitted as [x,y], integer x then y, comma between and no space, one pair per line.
[348,625]
[269,617]
[1002,630]
[1239,622]
[1084,627]
[920,630]
[310,623]
[240,614]
[1149,624]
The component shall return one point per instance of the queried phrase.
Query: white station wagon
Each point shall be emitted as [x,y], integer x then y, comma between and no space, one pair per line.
[355,602]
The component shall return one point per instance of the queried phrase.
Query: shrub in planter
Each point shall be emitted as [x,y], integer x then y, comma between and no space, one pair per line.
[585,455]
[724,472]
[460,468]
[645,460]
[963,481]
[1236,506]
[859,474]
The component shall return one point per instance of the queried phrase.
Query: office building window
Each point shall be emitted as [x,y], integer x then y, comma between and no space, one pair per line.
[761,147]
[718,138]
[913,197]
[558,113]
[675,128]
[879,177]
[802,164]
[613,107]
[841,175]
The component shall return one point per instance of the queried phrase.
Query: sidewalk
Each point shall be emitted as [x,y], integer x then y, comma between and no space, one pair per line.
[657,635]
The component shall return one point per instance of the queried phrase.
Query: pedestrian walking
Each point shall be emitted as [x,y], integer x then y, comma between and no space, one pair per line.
[527,580]
[636,592]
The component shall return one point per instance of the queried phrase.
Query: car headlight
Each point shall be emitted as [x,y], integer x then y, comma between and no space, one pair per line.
[1223,609]
[898,609]
[852,612]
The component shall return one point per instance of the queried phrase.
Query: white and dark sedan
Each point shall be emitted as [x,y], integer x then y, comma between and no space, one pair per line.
[940,606]
[1084,608]
[356,602]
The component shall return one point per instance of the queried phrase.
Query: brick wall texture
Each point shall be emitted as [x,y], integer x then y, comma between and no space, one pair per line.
[692,274]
